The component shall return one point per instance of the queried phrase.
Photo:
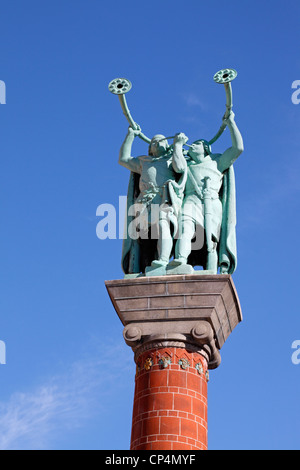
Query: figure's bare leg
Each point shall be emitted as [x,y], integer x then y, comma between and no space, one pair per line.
[184,243]
[164,244]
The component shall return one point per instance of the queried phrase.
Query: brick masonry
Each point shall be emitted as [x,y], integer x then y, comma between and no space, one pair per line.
[170,401]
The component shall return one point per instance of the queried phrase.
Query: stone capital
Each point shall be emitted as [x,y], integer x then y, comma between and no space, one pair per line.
[196,312]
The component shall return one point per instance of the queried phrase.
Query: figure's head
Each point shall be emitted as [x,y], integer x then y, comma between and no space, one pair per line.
[158,146]
[199,148]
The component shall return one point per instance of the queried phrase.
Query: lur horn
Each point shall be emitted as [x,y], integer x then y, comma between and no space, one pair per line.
[120,86]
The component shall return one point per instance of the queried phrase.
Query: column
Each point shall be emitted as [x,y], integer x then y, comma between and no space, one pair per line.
[176,326]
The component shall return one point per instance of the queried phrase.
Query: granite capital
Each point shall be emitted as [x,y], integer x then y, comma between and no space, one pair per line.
[196,312]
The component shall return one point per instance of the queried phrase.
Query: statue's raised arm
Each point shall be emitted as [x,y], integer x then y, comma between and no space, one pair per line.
[230,155]
[178,160]
[125,158]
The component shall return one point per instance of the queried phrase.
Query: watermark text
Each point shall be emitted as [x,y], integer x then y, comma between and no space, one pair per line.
[2,92]
[2,352]
[142,221]
[296,354]
[296,93]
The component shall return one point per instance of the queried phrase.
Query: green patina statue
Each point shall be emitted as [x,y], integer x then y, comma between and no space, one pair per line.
[181,210]
[209,203]
[154,199]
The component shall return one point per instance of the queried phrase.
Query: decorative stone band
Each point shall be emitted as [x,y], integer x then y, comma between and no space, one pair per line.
[195,312]
[165,357]
[198,337]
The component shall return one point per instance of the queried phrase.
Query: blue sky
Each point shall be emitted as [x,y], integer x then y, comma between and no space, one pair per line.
[69,378]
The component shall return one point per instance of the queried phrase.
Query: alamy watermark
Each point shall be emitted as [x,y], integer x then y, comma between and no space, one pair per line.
[296,354]
[2,352]
[142,221]
[296,94]
[2,92]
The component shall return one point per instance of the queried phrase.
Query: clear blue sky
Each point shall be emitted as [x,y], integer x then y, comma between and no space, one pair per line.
[69,378]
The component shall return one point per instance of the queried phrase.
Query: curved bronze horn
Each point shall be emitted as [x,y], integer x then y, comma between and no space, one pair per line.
[120,86]
[225,76]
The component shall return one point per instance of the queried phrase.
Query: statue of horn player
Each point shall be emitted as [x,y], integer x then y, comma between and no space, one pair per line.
[209,203]
[155,195]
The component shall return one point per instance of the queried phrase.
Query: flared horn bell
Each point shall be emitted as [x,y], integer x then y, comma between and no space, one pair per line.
[119,86]
[225,77]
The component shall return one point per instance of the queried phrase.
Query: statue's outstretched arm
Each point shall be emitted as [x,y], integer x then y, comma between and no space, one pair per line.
[178,161]
[231,154]
[125,158]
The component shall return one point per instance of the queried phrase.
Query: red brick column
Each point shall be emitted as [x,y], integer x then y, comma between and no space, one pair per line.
[170,401]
